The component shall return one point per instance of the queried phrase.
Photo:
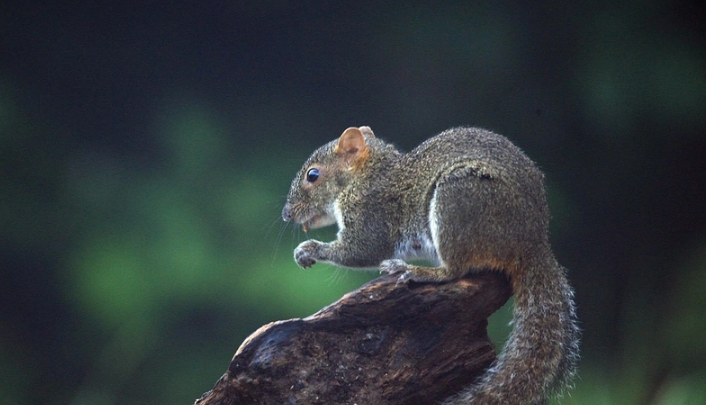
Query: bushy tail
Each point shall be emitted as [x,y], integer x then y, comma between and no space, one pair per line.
[540,356]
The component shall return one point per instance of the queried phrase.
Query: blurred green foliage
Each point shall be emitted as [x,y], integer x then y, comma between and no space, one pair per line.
[146,152]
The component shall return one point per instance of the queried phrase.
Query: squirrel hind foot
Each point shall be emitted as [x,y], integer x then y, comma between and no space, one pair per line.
[422,274]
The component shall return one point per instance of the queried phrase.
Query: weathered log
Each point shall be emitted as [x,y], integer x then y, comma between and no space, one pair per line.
[382,344]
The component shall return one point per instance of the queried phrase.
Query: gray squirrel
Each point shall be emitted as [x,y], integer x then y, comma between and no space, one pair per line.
[467,200]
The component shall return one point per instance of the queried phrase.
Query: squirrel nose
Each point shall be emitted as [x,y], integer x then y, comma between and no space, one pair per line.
[287,213]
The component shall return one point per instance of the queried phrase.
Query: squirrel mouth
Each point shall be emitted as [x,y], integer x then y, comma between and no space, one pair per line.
[308,218]
[317,221]
[310,223]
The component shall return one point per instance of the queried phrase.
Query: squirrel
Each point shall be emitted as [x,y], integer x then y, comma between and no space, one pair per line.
[467,200]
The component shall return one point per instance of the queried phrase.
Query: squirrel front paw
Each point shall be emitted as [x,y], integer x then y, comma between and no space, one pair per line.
[306,254]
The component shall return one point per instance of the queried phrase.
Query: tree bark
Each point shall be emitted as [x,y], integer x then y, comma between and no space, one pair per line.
[383,344]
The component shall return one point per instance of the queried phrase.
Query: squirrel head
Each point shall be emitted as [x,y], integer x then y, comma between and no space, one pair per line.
[327,172]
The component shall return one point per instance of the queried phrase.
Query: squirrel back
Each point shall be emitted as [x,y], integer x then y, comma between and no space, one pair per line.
[468,200]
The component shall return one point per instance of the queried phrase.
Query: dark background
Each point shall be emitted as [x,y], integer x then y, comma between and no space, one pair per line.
[145,152]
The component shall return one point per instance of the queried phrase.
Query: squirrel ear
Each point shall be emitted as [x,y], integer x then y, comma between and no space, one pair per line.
[367,132]
[351,146]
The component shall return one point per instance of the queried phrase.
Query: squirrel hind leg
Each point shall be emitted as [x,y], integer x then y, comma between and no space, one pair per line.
[473,222]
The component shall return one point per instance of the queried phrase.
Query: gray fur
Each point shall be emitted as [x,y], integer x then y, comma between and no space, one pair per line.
[468,200]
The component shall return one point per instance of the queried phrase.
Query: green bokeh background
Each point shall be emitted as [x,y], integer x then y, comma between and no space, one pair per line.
[146,151]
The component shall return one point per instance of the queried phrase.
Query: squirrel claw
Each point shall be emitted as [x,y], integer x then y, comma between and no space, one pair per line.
[305,262]
[405,277]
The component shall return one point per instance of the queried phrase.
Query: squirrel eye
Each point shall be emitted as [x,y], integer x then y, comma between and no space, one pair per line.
[312,175]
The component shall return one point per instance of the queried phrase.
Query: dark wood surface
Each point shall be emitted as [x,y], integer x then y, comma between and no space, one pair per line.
[384,343]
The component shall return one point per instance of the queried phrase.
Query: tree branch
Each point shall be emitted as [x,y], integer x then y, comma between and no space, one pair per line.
[385,343]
